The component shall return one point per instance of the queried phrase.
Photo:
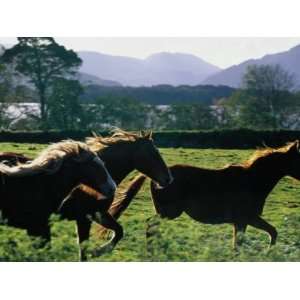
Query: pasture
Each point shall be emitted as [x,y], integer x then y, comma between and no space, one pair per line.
[179,240]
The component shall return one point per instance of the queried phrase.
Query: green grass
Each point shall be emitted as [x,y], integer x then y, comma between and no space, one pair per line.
[179,240]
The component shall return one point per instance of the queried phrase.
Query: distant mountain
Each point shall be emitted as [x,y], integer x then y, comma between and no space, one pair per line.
[88,79]
[161,68]
[232,76]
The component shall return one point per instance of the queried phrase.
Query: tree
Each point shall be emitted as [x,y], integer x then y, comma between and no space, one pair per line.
[43,61]
[65,111]
[188,117]
[118,111]
[5,82]
[264,101]
[268,90]
[5,91]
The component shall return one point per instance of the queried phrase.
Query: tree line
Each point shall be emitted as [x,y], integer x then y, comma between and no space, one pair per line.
[40,70]
[162,94]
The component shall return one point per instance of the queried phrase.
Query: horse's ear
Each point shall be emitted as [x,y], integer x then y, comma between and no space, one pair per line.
[149,135]
[295,147]
[94,134]
[146,135]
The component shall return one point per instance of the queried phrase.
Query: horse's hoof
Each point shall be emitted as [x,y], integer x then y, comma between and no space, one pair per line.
[102,250]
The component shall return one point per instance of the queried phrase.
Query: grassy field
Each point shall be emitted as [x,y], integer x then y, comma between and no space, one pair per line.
[179,240]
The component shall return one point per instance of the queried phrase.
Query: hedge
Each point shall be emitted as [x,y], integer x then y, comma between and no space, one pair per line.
[226,139]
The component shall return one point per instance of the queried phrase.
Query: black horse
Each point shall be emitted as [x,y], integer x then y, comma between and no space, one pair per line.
[122,153]
[30,193]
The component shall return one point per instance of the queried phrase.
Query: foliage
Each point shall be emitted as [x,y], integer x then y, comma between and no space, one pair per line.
[5,90]
[179,240]
[160,94]
[41,60]
[65,111]
[265,100]
[267,81]
[114,111]
[187,117]
[225,139]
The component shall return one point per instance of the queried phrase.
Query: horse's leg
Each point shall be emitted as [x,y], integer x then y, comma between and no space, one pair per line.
[41,231]
[260,223]
[106,220]
[83,231]
[237,228]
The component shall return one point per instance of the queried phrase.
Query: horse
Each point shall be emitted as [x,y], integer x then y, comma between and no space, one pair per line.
[31,192]
[122,153]
[234,194]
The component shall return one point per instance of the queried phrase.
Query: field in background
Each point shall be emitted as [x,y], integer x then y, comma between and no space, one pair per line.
[179,240]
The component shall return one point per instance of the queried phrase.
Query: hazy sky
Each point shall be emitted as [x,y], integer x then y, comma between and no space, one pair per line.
[222,52]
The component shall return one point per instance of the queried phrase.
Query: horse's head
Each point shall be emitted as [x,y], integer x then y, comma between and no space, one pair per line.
[94,174]
[293,160]
[148,160]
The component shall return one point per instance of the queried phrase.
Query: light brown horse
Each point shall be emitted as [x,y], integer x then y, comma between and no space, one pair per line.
[234,194]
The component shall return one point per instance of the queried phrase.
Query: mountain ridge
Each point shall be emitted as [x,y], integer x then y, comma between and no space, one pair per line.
[232,76]
[158,68]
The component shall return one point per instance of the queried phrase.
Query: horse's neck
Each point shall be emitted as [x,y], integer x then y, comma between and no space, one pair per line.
[268,172]
[61,188]
[118,163]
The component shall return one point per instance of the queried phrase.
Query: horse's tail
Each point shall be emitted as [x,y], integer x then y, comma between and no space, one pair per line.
[124,198]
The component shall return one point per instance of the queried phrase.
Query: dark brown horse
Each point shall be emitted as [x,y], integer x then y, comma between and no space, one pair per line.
[122,153]
[235,194]
[30,193]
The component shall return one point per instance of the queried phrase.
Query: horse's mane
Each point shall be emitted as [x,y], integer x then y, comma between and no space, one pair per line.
[266,152]
[97,142]
[50,160]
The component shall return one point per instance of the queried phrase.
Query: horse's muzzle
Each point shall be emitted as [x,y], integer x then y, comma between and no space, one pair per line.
[162,185]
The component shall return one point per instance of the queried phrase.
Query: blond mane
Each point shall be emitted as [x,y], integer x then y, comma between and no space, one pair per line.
[50,160]
[262,153]
[97,142]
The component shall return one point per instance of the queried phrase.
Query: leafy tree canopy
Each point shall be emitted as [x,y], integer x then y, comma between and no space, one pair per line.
[42,61]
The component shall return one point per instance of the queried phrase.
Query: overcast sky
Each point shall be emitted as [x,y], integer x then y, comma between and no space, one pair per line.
[222,52]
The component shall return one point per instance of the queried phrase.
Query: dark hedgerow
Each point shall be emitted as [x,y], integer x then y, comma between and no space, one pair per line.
[223,139]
